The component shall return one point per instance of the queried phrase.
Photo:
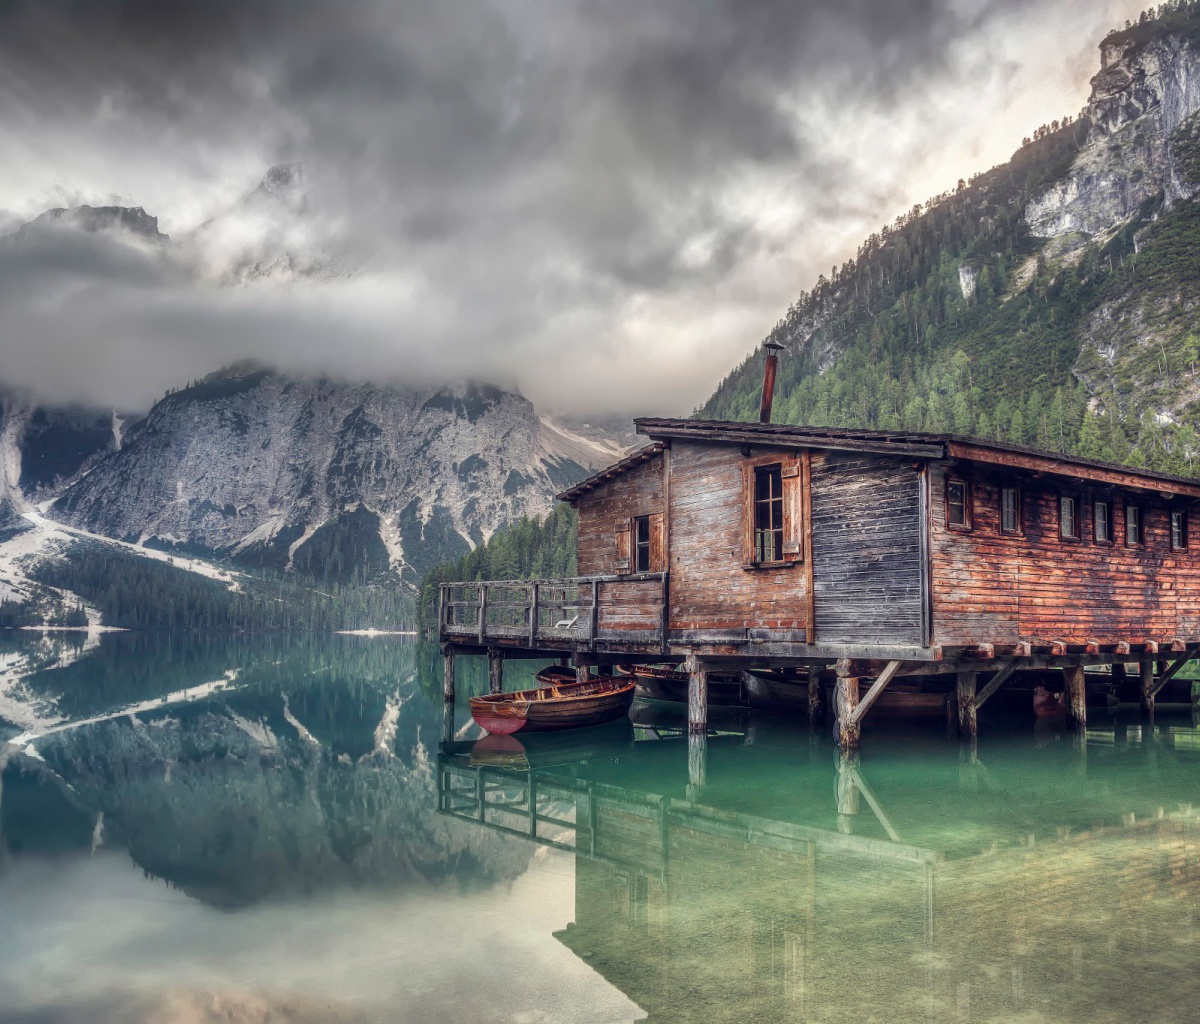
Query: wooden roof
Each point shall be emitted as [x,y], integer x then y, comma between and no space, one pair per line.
[917,445]
[596,480]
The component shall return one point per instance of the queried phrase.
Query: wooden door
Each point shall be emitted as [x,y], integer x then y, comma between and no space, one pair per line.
[869,577]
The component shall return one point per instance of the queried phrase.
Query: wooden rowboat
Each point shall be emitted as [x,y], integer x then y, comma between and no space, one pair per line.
[657,683]
[566,705]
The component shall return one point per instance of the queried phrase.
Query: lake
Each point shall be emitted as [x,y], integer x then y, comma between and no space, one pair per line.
[221,829]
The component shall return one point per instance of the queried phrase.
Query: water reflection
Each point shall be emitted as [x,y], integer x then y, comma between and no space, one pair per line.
[1015,882]
[313,838]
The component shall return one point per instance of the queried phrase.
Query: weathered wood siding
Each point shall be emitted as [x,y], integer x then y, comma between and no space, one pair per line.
[711,590]
[627,607]
[638,492]
[867,549]
[990,587]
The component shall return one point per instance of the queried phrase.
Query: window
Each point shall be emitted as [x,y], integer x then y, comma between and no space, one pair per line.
[641,544]
[1068,517]
[1102,522]
[958,513]
[1010,510]
[1179,537]
[768,513]
[1133,526]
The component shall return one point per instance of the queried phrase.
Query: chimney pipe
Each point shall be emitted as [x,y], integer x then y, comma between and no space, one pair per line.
[768,388]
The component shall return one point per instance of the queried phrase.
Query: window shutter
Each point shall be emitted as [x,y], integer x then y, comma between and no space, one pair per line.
[624,548]
[792,516]
[657,543]
[747,514]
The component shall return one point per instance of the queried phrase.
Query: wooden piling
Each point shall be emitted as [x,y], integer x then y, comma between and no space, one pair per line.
[968,725]
[846,700]
[1146,666]
[697,763]
[448,722]
[495,671]
[814,695]
[448,676]
[847,790]
[1073,680]
[697,696]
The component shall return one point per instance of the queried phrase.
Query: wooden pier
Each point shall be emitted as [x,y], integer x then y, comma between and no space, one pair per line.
[841,561]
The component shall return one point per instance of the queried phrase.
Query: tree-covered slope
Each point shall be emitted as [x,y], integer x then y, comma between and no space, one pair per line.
[1049,301]
[531,549]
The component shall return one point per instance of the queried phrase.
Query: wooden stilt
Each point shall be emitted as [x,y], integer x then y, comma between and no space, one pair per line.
[697,696]
[697,763]
[1119,683]
[448,722]
[582,673]
[847,789]
[448,676]
[814,696]
[1146,665]
[968,726]
[849,731]
[495,671]
[1076,696]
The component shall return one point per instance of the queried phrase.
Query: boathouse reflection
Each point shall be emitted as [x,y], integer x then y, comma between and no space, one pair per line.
[1066,890]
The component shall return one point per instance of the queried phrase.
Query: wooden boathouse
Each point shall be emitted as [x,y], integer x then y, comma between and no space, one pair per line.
[864,555]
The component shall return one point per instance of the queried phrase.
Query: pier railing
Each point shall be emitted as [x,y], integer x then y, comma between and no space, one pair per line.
[556,613]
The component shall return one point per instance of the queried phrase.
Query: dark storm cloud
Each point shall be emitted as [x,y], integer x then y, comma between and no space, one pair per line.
[520,171]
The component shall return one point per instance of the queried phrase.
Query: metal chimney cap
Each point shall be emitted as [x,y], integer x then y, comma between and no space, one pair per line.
[772,346]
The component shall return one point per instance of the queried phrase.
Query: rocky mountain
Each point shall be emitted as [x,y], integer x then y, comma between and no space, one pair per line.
[332,479]
[1051,300]
[45,448]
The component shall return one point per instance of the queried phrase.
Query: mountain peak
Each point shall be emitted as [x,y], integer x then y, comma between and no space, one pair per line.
[96,219]
[283,184]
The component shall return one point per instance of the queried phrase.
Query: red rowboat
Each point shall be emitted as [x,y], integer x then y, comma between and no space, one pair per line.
[566,705]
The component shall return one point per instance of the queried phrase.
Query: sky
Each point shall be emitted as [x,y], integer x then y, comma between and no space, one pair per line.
[603,203]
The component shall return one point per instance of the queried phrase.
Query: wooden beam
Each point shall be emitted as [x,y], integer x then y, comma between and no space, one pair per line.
[814,695]
[1150,647]
[810,626]
[1074,470]
[791,440]
[1146,666]
[448,676]
[1058,649]
[697,696]
[533,613]
[1167,676]
[846,700]
[1092,647]
[873,693]
[1121,648]
[495,671]
[1073,679]
[998,680]
[965,689]
[985,650]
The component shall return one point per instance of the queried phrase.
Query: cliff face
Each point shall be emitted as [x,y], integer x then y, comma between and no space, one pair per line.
[1141,99]
[314,474]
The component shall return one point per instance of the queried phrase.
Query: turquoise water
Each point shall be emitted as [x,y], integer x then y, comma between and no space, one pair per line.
[228,830]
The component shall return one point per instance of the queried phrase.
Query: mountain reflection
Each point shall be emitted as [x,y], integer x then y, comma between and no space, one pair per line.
[310,800]
[292,770]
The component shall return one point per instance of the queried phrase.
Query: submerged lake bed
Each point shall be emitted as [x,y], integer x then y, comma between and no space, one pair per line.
[222,829]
